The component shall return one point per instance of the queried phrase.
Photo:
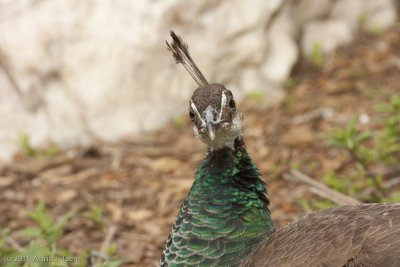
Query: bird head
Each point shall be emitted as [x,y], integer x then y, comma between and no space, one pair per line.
[215,118]
[212,109]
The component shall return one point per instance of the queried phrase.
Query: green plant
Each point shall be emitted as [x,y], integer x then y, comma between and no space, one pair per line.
[349,137]
[46,228]
[25,145]
[295,165]
[388,138]
[395,198]
[369,149]
[96,213]
[312,166]
[52,150]
[7,253]
[363,18]
[27,148]
[287,104]
[309,206]
[335,182]
[290,83]
[317,56]
[255,98]
[42,249]
[306,205]
[375,29]
[323,204]
[179,122]
[354,141]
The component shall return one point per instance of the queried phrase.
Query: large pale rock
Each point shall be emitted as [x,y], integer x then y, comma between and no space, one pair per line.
[99,70]
[379,15]
[351,12]
[326,35]
[336,26]
[283,51]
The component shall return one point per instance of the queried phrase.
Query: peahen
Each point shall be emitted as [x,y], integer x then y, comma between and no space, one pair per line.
[225,220]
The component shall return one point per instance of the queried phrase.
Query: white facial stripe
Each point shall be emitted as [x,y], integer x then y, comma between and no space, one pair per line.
[197,112]
[223,103]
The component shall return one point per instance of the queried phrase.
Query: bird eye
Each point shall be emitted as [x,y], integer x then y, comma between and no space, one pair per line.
[232,103]
[191,115]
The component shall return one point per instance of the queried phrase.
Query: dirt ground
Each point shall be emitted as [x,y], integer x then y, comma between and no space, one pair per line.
[141,182]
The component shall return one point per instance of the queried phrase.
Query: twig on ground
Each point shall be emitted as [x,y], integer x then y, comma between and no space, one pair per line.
[315,114]
[107,240]
[96,258]
[321,189]
[102,254]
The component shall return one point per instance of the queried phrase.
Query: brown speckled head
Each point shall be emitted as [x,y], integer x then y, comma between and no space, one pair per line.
[215,95]
[208,95]
[216,120]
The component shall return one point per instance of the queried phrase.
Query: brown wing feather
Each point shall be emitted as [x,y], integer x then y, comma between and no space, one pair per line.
[356,235]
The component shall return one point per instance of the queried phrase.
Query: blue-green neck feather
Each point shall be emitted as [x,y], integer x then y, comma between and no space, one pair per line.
[224,215]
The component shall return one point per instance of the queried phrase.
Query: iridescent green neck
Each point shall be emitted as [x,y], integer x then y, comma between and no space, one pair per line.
[225,214]
[233,170]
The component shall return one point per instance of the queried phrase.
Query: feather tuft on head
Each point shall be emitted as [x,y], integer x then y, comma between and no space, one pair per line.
[180,52]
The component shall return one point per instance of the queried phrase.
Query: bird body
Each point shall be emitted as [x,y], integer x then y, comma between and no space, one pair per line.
[354,235]
[225,220]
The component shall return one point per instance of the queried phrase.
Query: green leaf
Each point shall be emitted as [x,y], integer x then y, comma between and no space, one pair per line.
[26,146]
[36,249]
[31,232]
[363,136]
[52,150]
[317,56]
[323,204]
[335,182]
[96,214]
[63,220]
[41,216]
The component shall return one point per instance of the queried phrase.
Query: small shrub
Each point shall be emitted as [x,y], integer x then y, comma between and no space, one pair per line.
[368,149]
[42,249]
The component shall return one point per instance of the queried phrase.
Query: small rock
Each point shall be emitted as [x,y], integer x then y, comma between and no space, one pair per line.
[151,228]
[115,210]
[301,135]
[6,181]
[178,185]
[134,251]
[31,165]
[166,165]
[66,195]
[56,172]
[139,215]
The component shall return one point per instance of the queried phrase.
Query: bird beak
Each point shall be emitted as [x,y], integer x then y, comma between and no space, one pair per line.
[211,124]
[210,128]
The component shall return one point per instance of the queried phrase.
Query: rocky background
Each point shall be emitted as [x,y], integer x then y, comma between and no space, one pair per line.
[77,72]
[124,197]
[322,122]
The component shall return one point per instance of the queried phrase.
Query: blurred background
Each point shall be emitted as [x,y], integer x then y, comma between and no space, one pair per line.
[97,152]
